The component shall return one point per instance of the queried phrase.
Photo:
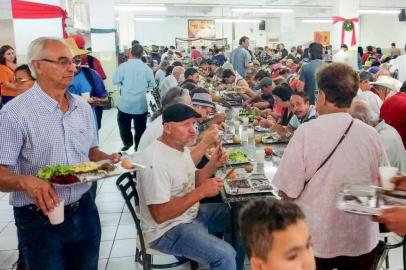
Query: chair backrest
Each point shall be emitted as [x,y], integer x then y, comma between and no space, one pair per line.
[126,183]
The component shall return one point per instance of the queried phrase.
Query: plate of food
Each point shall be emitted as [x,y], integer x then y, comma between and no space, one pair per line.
[85,171]
[261,129]
[230,139]
[238,157]
[248,184]
[273,137]
[366,200]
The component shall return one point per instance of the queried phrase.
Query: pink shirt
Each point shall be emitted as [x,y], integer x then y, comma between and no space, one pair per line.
[356,160]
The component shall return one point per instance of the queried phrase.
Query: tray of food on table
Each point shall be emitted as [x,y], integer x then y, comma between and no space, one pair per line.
[243,181]
[85,171]
[273,137]
[252,114]
[230,139]
[237,157]
[368,200]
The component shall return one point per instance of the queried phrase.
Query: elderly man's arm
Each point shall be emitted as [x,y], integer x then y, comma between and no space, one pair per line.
[95,154]
[177,206]
[41,192]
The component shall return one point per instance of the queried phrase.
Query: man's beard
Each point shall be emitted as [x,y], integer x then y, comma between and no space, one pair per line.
[191,142]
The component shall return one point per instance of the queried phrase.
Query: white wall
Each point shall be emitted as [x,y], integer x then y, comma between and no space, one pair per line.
[6,33]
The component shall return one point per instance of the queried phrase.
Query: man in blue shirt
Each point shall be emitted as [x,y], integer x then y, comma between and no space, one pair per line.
[134,77]
[240,57]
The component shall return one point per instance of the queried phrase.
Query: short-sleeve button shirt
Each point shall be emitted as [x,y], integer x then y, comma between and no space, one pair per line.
[34,132]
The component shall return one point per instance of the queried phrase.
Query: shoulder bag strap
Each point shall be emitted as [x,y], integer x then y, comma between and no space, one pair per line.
[328,157]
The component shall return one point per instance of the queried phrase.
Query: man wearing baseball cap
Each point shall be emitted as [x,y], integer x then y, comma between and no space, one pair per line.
[264,100]
[170,189]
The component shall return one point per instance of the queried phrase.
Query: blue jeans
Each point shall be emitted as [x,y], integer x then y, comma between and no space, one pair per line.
[193,241]
[73,244]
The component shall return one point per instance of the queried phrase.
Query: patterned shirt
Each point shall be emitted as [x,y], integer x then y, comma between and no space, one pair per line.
[34,132]
[356,161]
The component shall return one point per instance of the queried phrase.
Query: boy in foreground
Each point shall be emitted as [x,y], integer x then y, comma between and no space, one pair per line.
[275,236]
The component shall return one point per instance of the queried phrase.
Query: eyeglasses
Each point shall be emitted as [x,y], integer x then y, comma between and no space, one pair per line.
[64,62]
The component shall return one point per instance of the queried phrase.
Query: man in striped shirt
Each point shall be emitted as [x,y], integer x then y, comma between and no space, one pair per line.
[47,126]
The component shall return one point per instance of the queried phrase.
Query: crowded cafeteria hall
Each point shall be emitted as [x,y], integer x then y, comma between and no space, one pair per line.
[187,134]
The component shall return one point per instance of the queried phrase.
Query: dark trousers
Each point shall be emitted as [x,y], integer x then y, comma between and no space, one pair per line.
[98,111]
[364,262]
[124,125]
[71,245]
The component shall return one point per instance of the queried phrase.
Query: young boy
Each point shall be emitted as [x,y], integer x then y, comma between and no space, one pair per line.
[275,236]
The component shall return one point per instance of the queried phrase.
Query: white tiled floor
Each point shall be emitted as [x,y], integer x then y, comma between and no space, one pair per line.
[118,232]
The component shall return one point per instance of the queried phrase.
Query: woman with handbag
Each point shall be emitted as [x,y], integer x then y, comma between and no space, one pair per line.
[322,155]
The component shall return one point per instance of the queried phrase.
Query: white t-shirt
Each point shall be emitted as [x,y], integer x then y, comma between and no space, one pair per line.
[169,174]
[167,83]
[154,131]
[341,57]
[399,64]
[159,75]
[295,121]
[392,142]
[371,98]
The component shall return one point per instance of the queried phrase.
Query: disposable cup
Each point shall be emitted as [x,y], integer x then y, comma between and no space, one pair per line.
[260,156]
[57,216]
[386,173]
[236,126]
[86,96]
[245,121]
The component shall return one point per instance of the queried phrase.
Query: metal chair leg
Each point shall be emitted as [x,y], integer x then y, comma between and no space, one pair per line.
[146,262]
[387,255]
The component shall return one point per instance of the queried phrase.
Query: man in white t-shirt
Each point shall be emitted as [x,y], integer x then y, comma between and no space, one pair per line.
[170,189]
[365,93]
[172,80]
[342,55]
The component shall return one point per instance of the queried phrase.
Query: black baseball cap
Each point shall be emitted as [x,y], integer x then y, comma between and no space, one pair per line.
[178,112]
[190,72]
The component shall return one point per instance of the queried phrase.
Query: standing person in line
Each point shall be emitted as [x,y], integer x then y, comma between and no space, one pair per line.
[322,155]
[134,77]
[8,61]
[46,125]
[240,57]
[307,80]
[394,52]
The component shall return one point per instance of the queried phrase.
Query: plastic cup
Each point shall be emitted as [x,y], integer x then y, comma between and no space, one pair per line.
[245,121]
[57,216]
[86,96]
[386,173]
[236,126]
[260,156]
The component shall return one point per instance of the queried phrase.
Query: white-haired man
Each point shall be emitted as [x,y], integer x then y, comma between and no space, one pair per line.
[389,137]
[172,80]
[47,125]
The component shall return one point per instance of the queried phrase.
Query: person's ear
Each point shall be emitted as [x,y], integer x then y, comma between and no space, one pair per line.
[322,97]
[257,264]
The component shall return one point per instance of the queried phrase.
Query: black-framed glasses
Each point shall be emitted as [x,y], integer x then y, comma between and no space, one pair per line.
[64,62]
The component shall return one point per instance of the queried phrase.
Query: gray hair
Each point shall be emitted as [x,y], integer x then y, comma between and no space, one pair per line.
[178,70]
[172,96]
[36,49]
[361,110]
[164,65]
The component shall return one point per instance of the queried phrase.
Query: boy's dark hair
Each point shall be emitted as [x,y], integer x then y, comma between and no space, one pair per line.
[339,82]
[259,219]
[262,73]
[242,39]
[227,73]
[282,91]
[137,51]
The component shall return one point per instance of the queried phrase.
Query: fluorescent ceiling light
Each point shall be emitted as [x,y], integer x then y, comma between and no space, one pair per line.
[378,11]
[317,21]
[238,20]
[263,10]
[149,19]
[140,8]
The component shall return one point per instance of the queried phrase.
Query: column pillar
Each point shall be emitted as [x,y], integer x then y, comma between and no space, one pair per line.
[103,36]
[287,30]
[347,11]
[126,27]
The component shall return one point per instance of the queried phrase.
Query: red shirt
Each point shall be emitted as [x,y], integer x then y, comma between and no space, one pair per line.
[393,111]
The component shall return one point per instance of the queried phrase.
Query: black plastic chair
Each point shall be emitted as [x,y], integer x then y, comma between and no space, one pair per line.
[144,254]
[384,247]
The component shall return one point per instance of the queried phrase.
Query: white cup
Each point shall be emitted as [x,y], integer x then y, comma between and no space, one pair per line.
[57,216]
[260,156]
[86,95]
[386,173]
[237,126]
[250,133]
[245,121]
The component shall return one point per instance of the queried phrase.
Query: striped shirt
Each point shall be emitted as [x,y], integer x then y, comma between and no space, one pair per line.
[34,132]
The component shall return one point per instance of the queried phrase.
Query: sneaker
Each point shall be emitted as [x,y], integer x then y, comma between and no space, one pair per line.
[126,147]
